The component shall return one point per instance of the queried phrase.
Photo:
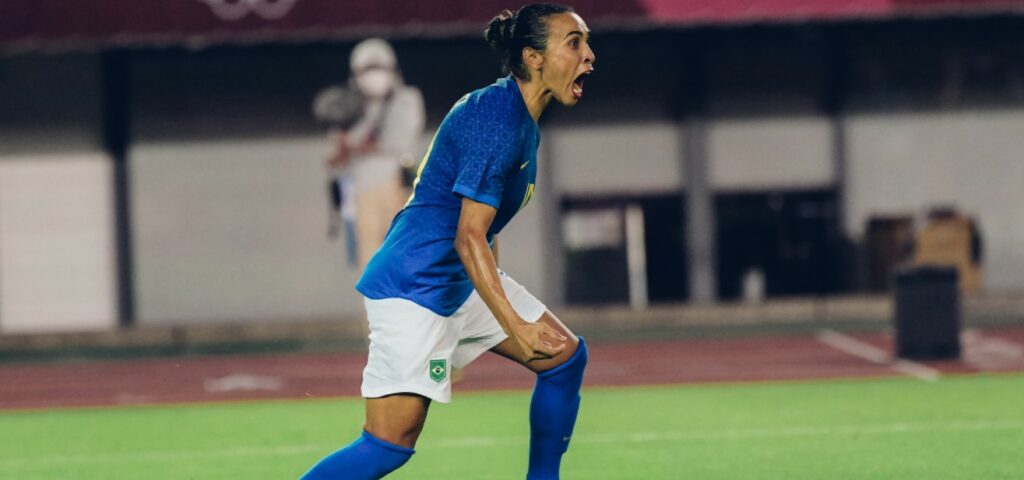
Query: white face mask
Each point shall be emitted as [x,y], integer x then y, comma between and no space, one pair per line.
[376,83]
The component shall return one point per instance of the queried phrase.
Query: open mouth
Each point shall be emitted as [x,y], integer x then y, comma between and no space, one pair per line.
[577,85]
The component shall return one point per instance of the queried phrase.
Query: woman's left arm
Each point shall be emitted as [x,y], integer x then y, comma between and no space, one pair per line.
[534,341]
[494,251]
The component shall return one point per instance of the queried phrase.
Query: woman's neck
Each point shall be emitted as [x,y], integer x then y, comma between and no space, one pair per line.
[535,95]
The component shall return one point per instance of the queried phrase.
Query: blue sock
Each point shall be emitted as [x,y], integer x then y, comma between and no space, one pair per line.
[367,458]
[556,401]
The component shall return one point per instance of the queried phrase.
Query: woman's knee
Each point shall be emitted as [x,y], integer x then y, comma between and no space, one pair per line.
[397,419]
[401,435]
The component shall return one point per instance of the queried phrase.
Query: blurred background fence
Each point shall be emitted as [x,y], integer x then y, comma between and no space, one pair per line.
[160,165]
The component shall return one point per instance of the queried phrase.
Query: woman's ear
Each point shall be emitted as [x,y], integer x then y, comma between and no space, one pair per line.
[533,59]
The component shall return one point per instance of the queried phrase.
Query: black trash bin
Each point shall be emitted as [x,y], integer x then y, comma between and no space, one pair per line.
[927,313]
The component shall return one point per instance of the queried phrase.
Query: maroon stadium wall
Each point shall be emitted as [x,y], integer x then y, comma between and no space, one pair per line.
[90,24]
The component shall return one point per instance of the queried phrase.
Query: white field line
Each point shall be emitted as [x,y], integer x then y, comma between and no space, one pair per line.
[873,354]
[917,370]
[987,352]
[490,441]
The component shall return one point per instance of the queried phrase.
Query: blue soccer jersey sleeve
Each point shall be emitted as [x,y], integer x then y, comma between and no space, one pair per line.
[488,151]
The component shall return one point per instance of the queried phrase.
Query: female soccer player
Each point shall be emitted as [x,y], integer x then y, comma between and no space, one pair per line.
[434,296]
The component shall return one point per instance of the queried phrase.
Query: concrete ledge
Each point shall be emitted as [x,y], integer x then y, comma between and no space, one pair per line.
[789,311]
[606,322]
[186,339]
[140,337]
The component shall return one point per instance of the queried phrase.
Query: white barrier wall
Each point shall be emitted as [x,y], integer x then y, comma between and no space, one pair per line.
[57,247]
[57,257]
[236,231]
[770,153]
[744,154]
[604,158]
[904,163]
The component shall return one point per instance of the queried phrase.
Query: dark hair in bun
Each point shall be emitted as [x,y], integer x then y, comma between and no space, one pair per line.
[509,33]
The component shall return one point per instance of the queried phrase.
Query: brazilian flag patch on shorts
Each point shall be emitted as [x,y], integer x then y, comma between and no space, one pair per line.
[438,370]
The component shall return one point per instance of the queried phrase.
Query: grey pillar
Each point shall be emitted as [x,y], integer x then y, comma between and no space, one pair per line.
[850,262]
[550,197]
[700,213]
[833,104]
[116,140]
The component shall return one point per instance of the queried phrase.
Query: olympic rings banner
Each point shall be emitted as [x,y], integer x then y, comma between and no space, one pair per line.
[71,24]
[231,10]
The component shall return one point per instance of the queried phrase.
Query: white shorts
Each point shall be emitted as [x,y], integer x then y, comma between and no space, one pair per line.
[413,349]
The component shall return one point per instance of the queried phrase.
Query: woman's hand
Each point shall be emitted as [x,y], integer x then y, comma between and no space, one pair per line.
[537,341]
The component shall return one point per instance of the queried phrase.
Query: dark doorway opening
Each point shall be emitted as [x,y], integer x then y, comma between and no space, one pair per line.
[597,243]
[791,239]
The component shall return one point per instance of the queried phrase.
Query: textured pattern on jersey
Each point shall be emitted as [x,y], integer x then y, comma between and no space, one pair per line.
[488,147]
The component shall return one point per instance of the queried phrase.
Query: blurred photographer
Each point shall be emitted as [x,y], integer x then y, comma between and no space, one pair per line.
[375,127]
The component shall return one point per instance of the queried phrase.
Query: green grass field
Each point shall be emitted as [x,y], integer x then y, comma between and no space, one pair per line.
[957,428]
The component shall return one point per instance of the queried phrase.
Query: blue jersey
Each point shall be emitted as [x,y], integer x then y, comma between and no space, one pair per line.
[484,150]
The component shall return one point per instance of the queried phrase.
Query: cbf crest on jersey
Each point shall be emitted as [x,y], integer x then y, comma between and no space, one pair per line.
[438,370]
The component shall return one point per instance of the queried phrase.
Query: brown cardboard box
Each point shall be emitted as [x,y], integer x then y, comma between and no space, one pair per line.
[950,239]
